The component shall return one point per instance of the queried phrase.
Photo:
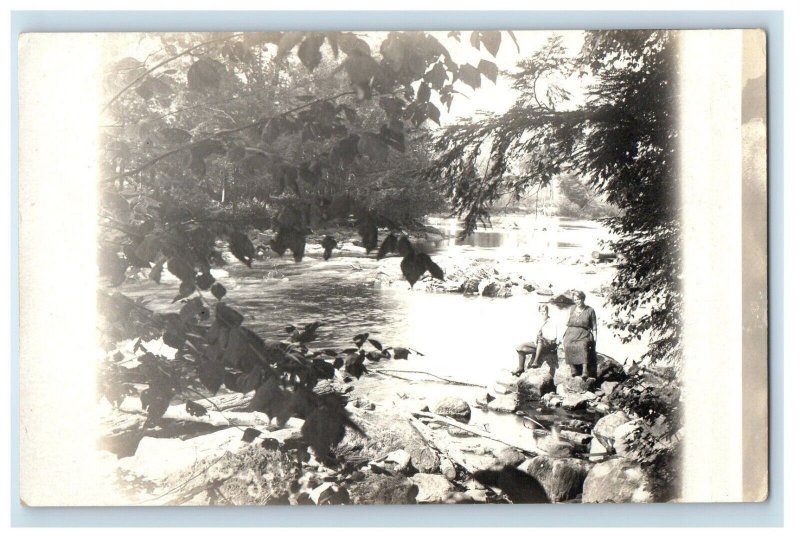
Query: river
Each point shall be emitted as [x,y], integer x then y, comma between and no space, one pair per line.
[468,338]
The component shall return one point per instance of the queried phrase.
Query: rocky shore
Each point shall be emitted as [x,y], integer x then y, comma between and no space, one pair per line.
[417,449]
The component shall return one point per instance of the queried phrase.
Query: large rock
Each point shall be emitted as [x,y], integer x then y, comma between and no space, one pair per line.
[509,456]
[607,387]
[574,400]
[536,382]
[453,407]
[563,373]
[604,428]
[575,385]
[624,436]
[597,450]
[489,288]
[504,404]
[616,481]
[562,478]
[424,459]
[433,488]
[383,489]
[399,459]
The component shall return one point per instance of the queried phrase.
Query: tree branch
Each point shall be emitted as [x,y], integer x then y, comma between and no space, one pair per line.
[162,63]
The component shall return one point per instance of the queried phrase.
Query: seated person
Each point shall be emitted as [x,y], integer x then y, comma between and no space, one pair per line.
[544,348]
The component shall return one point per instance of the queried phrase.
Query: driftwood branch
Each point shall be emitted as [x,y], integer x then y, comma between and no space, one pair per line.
[432,417]
[440,378]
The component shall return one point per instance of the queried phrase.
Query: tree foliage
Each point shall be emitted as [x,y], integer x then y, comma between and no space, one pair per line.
[213,133]
[622,138]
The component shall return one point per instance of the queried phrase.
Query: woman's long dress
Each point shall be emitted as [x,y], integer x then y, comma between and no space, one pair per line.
[578,338]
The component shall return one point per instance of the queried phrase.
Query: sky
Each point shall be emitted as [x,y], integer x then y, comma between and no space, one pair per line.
[499,97]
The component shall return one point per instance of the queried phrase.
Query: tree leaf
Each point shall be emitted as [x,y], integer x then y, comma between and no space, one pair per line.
[432,112]
[470,75]
[360,339]
[250,435]
[514,39]
[204,74]
[211,373]
[488,69]
[309,51]
[218,290]
[228,316]
[412,271]
[437,76]
[376,344]
[388,245]
[173,135]
[401,353]
[404,247]
[205,281]
[428,263]
[242,248]
[155,400]
[352,45]
[423,93]
[287,42]
[491,40]
[195,409]
[182,269]
[328,244]
[475,40]
[369,234]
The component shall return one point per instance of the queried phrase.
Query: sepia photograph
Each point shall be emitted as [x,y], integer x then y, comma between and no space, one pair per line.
[406,267]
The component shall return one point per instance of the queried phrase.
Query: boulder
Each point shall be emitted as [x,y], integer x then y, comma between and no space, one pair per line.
[575,385]
[562,478]
[576,438]
[502,389]
[563,373]
[607,387]
[536,382]
[506,378]
[399,459]
[457,432]
[470,285]
[489,288]
[453,407]
[616,481]
[477,495]
[597,450]
[509,456]
[574,401]
[604,428]
[576,425]
[504,404]
[623,440]
[424,459]
[383,489]
[433,488]
[447,469]
[602,407]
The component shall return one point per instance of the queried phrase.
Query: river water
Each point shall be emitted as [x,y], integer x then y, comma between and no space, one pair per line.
[467,338]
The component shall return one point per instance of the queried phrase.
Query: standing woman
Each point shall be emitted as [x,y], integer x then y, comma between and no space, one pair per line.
[580,338]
